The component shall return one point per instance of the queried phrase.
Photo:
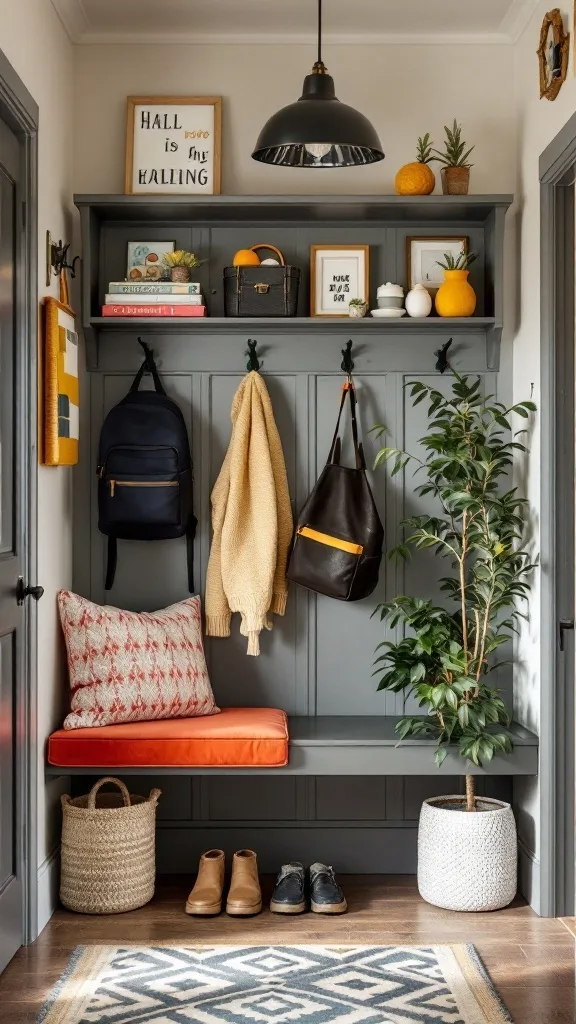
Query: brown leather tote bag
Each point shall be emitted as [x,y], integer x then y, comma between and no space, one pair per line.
[337,546]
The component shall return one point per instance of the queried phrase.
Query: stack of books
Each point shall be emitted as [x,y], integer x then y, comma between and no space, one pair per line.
[154,298]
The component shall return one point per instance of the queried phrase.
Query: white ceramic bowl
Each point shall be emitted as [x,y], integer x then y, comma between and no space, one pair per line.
[388,313]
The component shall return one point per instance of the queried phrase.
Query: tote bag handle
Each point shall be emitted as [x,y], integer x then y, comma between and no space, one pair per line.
[334,454]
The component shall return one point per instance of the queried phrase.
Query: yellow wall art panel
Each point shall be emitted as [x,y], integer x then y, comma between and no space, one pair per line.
[61,414]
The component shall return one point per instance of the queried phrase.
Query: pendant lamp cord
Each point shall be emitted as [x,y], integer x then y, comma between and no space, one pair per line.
[319,31]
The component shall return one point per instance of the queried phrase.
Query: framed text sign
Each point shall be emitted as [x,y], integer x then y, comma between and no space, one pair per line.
[338,274]
[173,145]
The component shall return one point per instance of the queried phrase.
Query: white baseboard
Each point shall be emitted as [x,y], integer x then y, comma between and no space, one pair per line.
[529,875]
[48,878]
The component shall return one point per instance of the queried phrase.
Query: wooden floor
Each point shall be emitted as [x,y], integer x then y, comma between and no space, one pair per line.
[530,960]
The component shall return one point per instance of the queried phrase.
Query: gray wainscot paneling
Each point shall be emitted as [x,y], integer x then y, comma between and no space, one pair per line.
[318,658]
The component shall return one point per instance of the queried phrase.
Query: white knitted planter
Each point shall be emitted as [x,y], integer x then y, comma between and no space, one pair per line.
[466,860]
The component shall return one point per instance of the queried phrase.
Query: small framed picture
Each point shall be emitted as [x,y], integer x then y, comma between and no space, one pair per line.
[423,256]
[145,260]
[338,274]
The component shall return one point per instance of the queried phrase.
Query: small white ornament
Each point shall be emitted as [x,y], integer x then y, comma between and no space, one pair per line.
[270,262]
[418,301]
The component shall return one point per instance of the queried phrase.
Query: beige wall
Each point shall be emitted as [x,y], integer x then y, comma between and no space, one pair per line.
[404,90]
[33,40]
[539,121]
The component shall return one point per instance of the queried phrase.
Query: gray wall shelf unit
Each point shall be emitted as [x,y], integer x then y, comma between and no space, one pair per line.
[350,795]
[215,226]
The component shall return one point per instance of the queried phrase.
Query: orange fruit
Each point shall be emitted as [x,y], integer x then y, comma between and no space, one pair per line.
[415,179]
[246,258]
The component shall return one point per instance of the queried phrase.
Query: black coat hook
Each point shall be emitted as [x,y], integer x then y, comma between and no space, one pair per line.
[59,258]
[347,363]
[148,353]
[442,363]
[253,361]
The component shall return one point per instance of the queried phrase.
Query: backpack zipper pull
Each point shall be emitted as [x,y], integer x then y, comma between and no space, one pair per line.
[112,486]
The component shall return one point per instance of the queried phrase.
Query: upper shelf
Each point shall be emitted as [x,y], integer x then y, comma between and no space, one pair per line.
[290,324]
[262,208]
[216,226]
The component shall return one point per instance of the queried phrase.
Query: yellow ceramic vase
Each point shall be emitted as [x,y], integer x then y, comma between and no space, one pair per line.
[455,297]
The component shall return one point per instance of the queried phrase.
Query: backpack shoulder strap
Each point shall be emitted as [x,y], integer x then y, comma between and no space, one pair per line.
[112,559]
[190,534]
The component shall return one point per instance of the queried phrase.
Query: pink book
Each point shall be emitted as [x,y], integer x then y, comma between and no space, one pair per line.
[153,310]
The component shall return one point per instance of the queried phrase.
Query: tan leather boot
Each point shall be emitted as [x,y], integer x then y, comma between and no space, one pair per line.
[245,896]
[206,896]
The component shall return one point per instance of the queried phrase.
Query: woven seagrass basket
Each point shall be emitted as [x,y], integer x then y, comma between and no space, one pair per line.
[108,850]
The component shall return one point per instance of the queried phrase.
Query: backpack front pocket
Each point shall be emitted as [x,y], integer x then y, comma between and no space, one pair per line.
[148,501]
[324,563]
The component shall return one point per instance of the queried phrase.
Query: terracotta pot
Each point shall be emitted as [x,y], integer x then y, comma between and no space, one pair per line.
[180,274]
[455,181]
[455,297]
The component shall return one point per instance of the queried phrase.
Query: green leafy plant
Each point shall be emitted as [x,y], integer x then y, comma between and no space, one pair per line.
[455,153]
[460,262]
[446,655]
[357,302]
[181,258]
[424,149]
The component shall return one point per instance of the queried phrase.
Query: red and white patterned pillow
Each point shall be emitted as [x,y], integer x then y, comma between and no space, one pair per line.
[134,667]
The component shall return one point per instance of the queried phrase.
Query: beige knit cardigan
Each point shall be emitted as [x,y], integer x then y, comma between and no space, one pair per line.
[251,521]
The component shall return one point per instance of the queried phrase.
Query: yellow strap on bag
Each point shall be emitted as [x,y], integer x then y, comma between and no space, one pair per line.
[332,542]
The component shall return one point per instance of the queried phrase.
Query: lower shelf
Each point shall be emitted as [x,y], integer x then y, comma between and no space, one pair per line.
[356,746]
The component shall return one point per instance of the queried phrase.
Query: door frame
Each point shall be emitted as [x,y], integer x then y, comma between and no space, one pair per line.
[20,112]
[557,547]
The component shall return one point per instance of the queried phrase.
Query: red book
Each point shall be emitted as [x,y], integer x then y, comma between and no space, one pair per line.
[153,310]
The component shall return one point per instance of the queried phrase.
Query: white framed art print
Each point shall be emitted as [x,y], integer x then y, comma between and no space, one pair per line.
[173,145]
[338,274]
[423,258]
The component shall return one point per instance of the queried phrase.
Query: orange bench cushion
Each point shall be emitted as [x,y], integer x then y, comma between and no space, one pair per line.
[236,738]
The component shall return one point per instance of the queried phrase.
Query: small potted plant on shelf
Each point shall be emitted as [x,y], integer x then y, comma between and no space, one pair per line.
[467,850]
[357,308]
[455,173]
[456,296]
[180,263]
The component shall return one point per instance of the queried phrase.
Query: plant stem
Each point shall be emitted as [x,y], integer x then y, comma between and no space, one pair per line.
[462,561]
[470,793]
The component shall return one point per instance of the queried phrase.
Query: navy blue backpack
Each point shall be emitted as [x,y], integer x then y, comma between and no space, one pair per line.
[145,483]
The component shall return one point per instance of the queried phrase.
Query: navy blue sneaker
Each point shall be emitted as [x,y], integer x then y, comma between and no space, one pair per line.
[289,896]
[326,896]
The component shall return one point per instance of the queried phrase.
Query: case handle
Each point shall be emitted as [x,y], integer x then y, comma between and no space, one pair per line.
[264,245]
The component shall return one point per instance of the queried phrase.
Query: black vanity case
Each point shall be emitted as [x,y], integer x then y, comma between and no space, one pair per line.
[261,291]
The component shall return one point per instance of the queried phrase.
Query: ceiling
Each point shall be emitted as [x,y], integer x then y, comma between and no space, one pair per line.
[288,21]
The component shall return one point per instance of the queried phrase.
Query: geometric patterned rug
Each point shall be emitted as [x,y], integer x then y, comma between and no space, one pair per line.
[132,984]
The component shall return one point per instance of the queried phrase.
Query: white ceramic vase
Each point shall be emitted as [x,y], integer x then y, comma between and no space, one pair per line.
[467,861]
[418,301]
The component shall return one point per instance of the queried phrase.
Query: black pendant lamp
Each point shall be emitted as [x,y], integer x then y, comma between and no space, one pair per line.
[318,130]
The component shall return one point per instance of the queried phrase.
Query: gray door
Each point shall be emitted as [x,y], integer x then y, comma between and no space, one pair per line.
[11,611]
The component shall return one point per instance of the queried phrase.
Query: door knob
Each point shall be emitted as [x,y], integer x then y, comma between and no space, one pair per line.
[25,590]
[563,625]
